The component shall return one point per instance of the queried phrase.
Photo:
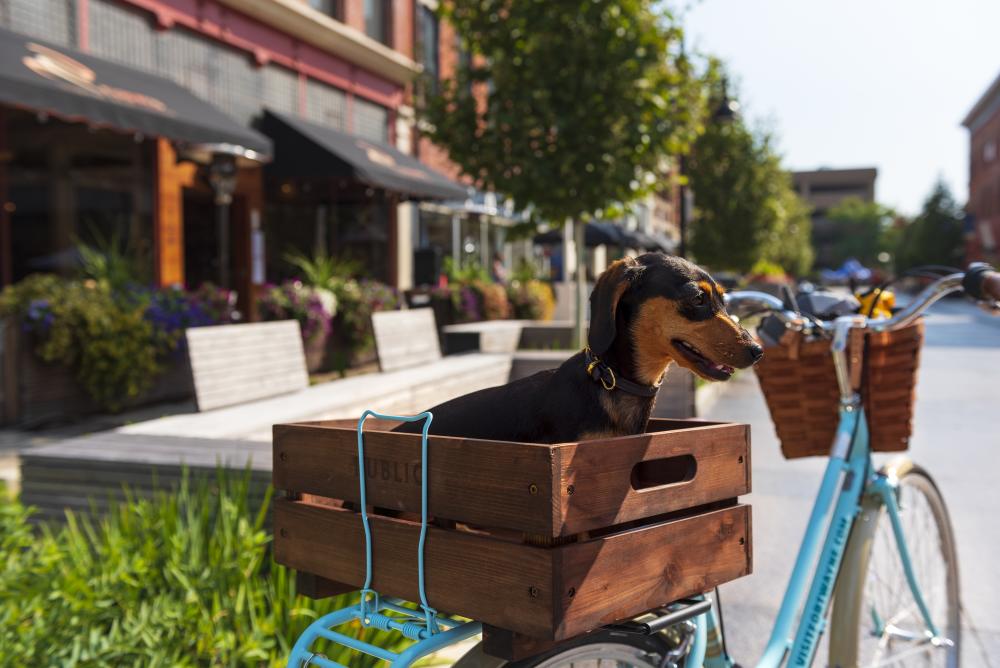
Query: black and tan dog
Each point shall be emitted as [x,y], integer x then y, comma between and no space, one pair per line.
[646,312]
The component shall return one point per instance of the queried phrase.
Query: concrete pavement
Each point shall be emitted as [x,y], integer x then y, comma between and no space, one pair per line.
[956,438]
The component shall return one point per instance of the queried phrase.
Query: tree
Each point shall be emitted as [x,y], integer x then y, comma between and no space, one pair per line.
[936,235]
[863,230]
[745,207]
[583,101]
[570,108]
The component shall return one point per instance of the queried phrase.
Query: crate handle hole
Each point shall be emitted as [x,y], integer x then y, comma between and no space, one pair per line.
[662,472]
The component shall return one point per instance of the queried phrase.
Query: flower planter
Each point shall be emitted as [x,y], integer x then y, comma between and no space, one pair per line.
[37,392]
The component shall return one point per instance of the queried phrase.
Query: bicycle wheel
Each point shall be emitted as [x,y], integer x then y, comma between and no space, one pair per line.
[876,620]
[601,649]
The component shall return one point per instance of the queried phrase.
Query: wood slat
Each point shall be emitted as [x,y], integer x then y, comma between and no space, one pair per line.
[546,593]
[626,574]
[477,576]
[476,481]
[550,490]
[601,474]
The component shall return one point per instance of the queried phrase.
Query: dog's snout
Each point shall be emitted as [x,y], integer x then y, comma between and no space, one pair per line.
[756,351]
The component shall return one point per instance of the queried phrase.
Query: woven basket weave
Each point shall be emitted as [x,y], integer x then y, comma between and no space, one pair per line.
[800,385]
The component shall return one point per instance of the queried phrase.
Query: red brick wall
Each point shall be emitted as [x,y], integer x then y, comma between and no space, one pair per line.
[984,186]
[429,153]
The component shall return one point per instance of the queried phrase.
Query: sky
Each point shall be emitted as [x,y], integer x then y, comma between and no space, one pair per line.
[857,83]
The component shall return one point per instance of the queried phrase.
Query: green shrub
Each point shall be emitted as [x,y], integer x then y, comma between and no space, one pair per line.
[106,341]
[357,300]
[182,579]
[531,300]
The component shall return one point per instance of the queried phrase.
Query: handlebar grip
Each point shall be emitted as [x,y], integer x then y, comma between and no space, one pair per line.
[982,282]
[991,285]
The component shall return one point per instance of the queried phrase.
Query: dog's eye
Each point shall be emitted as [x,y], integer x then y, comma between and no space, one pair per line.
[700,299]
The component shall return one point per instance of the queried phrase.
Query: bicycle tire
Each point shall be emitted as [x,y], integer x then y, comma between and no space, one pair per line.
[871,589]
[599,649]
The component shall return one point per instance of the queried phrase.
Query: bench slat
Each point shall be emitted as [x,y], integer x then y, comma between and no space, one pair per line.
[233,364]
[405,338]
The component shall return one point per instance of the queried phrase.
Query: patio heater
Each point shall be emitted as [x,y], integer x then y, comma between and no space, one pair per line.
[222,177]
[222,163]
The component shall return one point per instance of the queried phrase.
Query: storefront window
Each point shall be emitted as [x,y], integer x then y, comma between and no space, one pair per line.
[351,224]
[68,185]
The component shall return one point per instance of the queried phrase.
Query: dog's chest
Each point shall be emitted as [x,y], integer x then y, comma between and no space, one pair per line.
[626,413]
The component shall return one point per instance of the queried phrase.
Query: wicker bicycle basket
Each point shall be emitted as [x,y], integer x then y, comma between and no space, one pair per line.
[800,385]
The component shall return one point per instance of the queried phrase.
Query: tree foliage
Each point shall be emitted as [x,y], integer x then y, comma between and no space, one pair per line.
[863,230]
[936,235]
[567,107]
[745,207]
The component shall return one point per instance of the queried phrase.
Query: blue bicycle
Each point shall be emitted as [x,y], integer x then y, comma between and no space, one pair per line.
[879,546]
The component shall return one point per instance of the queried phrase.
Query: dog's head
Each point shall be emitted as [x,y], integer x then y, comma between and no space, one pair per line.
[670,310]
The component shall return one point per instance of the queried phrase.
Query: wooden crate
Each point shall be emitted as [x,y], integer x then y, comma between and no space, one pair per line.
[546,541]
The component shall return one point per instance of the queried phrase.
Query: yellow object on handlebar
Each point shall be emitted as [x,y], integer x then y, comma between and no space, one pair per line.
[885,301]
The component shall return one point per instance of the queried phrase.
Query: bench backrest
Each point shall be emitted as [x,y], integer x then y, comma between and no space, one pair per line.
[405,338]
[233,364]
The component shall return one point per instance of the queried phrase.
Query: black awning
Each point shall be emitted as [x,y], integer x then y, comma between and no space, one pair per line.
[304,149]
[40,76]
[595,233]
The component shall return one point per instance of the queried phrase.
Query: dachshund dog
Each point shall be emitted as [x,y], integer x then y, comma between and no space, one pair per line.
[646,313]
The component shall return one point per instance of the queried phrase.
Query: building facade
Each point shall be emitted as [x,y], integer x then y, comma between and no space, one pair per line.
[331,78]
[983,124]
[824,189]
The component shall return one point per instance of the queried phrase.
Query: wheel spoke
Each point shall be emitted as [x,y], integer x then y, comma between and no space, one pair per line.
[891,628]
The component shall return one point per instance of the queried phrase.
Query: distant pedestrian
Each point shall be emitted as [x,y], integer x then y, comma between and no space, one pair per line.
[499,271]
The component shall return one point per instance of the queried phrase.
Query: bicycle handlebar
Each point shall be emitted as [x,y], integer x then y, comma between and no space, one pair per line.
[980,282]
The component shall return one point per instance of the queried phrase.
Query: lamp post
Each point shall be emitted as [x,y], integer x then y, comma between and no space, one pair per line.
[726,111]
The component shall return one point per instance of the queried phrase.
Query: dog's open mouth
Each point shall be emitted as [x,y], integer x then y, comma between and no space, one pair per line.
[703,365]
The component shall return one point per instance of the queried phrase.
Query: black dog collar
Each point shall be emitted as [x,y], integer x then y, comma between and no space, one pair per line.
[600,372]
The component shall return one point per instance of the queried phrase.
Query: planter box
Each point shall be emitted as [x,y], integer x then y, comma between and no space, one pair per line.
[546,541]
[37,392]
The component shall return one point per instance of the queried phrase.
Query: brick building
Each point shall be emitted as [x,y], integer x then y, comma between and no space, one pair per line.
[824,189]
[983,123]
[118,113]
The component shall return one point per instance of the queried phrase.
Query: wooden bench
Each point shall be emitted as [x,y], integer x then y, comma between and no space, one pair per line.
[234,364]
[89,472]
[413,377]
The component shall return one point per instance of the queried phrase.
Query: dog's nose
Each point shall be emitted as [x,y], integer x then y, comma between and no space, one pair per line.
[756,351]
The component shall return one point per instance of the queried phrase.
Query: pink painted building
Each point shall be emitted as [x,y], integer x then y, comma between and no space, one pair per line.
[331,78]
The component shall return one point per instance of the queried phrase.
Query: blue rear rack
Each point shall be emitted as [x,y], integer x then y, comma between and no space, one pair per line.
[429,631]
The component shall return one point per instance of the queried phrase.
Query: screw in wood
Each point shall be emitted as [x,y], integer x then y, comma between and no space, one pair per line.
[742,540]
[283,456]
[572,592]
[284,532]
[571,489]
[533,591]
[740,460]
[533,488]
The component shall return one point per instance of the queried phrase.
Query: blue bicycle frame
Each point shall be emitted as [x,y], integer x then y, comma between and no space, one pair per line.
[848,477]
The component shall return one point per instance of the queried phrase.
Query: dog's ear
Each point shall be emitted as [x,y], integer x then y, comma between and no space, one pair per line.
[608,290]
